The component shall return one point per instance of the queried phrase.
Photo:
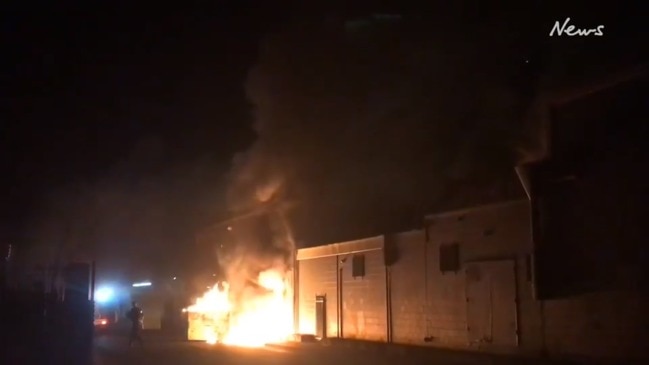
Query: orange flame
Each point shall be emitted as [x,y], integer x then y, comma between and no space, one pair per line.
[252,321]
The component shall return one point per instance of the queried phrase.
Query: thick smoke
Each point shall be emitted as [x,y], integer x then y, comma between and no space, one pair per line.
[366,125]
[368,122]
[137,219]
[251,245]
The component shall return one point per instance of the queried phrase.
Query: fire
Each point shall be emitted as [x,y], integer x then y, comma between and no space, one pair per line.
[250,320]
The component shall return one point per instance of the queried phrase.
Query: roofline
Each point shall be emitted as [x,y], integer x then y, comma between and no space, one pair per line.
[373,243]
[378,242]
[428,217]
[571,94]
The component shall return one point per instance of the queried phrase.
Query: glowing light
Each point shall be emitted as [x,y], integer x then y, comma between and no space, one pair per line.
[142,284]
[210,338]
[252,317]
[103,295]
[101,322]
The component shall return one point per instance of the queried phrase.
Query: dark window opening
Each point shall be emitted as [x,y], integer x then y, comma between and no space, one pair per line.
[358,266]
[321,316]
[449,257]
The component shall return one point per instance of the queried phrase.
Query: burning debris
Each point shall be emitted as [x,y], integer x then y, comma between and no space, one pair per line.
[251,317]
[254,305]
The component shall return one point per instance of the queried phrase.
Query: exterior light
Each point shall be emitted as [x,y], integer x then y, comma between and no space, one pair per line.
[142,284]
[104,295]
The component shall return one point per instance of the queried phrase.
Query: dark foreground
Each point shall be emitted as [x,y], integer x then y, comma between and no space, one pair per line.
[113,350]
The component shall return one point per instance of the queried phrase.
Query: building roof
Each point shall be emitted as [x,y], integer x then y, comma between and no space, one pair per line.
[349,247]
[568,95]
[474,209]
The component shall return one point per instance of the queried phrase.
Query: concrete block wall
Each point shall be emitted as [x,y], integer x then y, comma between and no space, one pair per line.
[408,294]
[432,305]
[498,232]
[356,306]
[429,308]
[445,306]
[317,276]
[364,298]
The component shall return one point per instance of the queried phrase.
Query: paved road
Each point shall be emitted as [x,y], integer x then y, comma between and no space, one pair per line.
[113,351]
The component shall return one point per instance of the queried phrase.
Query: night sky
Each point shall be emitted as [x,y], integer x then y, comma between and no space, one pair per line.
[108,97]
[87,87]
[114,116]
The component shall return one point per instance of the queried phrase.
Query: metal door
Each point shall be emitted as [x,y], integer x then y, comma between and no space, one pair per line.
[321,316]
[491,303]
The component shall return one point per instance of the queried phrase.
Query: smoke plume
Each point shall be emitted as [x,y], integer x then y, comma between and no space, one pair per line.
[364,121]
[364,125]
[133,219]
[367,123]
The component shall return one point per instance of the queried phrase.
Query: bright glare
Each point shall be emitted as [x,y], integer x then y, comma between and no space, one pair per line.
[253,320]
[104,295]
[138,285]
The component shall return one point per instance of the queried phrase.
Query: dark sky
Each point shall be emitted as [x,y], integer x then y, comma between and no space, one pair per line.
[134,115]
[85,87]
[122,97]
[368,123]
